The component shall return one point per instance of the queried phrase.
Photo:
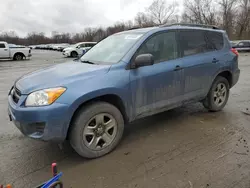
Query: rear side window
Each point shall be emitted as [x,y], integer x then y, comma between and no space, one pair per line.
[193,42]
[215,39]
[2,45]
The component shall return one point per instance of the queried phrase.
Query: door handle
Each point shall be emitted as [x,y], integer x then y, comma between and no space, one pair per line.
[5,49]
[177,68]
[215,60]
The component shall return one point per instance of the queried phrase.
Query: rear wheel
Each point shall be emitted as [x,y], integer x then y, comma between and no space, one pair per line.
[218,95]
[74,54]
[18,57]
[97,130]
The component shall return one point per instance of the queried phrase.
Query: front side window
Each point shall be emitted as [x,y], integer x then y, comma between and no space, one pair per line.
[89,45]
[2,45]
[162,46]
[82,45]
[193,42]
[112,49]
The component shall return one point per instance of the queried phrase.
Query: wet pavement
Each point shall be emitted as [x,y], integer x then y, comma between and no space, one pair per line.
[186,147]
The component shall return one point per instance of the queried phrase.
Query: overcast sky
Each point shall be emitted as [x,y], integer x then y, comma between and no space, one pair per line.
[23,16]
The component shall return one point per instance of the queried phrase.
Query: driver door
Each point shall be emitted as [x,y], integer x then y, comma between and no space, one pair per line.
[80,49]
[158,87]
[4,51]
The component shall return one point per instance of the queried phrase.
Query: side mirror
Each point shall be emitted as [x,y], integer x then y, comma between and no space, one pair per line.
[143,60]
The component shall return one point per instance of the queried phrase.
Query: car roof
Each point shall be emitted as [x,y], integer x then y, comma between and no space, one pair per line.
[172,27]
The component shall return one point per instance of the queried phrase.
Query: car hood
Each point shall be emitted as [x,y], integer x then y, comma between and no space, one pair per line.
[58,75]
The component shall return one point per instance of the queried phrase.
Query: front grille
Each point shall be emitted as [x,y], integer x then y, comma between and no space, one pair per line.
[15,93]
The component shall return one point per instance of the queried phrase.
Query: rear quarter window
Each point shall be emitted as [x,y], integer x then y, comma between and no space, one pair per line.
[215,39]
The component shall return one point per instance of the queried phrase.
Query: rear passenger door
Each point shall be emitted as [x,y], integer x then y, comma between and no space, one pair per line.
[200,60]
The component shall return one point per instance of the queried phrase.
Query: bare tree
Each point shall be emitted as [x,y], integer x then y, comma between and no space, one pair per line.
[232,15]
[100,34]
[143,20]
[160,12]
[200,11]
[228,11]
[243,19]
[10,36]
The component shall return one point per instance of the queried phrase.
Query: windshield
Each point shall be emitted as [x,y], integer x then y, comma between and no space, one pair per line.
[74,45]
[112,49]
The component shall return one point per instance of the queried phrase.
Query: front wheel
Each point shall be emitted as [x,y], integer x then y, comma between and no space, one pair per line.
[74,54]
[97,130]
[218,95]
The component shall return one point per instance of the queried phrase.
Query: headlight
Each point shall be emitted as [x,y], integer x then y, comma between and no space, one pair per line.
[44,97]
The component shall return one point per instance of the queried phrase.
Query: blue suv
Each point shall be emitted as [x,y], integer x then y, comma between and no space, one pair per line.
[128,75]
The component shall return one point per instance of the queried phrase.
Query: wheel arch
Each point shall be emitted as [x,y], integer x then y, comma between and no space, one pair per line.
[228,75]
[73,51]
[113,99]
[21,53]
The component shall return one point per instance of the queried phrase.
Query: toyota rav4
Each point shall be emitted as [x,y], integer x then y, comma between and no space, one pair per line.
[127,76]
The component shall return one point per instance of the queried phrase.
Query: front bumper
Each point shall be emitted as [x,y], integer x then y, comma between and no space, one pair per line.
[47,123]
[67,54]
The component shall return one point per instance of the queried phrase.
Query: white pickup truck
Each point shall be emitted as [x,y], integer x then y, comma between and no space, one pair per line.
[13,52]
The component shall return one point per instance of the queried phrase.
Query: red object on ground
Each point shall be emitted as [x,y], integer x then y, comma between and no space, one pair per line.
[54,169]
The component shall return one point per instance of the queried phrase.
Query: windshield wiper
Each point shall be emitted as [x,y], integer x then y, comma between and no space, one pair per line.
[88,62]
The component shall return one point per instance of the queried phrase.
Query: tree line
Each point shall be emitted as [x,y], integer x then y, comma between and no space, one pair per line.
[230,15]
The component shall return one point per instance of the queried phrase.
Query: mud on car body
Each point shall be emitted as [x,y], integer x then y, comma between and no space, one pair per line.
[126,76]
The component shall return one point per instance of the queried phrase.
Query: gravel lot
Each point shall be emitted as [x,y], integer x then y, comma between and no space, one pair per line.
[186,147]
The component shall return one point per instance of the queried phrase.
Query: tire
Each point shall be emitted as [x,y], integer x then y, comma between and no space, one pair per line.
[74,54]
[85,130]
[218,95]
[18,57]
